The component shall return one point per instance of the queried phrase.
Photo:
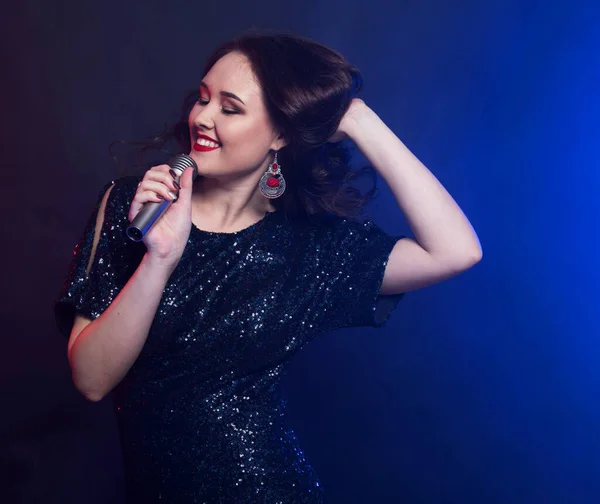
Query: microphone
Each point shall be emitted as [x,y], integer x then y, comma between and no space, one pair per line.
[152,210]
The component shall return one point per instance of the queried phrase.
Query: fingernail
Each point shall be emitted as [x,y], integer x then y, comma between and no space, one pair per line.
[176,185]
[173,174]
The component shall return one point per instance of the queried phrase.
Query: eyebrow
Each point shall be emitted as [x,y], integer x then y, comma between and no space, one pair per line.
[225,93]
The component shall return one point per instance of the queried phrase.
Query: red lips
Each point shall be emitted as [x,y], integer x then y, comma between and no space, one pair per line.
[200,135]
[204,148]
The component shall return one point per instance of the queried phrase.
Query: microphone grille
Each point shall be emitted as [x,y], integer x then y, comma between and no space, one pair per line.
[183,161]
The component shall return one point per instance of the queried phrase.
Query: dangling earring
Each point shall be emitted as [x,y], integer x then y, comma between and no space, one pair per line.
[272,183]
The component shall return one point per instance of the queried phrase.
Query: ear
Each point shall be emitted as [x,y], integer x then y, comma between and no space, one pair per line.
[279,143]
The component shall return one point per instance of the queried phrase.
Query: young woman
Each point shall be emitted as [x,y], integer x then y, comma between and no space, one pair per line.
[193,328]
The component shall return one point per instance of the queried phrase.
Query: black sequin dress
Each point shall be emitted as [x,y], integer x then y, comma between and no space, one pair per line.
[199,412]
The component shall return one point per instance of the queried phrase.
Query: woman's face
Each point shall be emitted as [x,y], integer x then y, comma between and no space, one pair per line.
[230,129]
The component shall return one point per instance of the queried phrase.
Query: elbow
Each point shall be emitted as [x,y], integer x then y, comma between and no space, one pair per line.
[86,384]
[472,259]
[475,256]
[466,260]
[92,396]
[470,252]
[92,392]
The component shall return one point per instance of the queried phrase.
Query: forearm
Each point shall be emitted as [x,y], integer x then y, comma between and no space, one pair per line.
[107,347]
[437,222]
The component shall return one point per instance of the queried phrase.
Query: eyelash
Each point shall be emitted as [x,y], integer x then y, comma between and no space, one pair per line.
[225,111]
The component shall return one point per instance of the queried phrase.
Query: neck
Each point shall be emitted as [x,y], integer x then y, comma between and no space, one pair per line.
[227,205]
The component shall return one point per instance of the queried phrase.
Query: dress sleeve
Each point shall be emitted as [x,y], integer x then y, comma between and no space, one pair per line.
[90,287]
[351,259]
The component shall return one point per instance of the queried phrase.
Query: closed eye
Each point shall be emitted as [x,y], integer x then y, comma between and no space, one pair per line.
[226,111]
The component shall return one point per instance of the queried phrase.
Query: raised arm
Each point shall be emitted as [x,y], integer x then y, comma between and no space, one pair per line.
[445,243]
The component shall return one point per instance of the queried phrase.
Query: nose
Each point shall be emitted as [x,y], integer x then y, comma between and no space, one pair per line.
[203,116]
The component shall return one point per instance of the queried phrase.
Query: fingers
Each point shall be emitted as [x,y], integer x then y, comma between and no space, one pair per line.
[154,191]
[161,173]
[158,184]
[187,181]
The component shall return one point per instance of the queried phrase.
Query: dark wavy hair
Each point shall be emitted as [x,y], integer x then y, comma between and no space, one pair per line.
[307,88]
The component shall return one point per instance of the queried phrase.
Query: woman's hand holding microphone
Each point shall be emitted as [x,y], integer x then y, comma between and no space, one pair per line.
[167,237]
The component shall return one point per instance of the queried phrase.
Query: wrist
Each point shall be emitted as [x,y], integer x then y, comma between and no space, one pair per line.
[358,117]
[163,267]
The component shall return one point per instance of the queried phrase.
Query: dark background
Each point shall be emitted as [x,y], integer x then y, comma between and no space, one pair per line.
[483,389]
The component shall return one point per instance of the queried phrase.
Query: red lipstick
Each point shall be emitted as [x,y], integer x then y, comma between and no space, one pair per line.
[204,148]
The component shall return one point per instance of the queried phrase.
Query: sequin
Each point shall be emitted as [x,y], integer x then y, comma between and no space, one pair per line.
[200,413]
